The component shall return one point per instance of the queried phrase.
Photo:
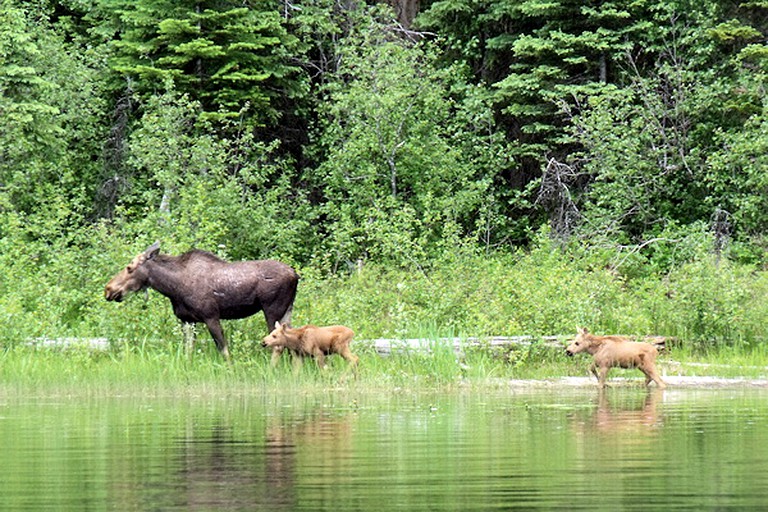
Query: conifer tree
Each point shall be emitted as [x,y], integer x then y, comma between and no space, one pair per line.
[229,56]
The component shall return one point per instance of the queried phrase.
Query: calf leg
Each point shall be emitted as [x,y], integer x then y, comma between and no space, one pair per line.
[593,370]
[319,357]
[276,353]
[652,375]
[601,379]
[298,360]
[349,356]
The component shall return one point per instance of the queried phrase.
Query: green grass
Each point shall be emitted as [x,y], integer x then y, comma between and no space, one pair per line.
[166,370]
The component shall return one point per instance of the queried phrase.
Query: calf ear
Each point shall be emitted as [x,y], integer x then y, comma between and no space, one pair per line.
[277,324]
[582,330]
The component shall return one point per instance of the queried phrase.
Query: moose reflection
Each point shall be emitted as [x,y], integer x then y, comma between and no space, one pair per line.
[205,288]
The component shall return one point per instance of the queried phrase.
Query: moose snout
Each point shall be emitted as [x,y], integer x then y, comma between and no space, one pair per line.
[569,352]
[113,295]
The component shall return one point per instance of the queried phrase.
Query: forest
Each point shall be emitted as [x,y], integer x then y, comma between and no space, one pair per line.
[455,164]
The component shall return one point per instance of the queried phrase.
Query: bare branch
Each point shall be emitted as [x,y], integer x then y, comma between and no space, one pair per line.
[555,196]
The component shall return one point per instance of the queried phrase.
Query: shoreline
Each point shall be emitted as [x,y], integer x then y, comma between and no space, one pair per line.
[673,382]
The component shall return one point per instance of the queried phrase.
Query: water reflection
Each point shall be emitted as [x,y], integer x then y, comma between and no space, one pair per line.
[620,449]
[279,469]
[621,414]
[322,446]
[627,414]
[222,468]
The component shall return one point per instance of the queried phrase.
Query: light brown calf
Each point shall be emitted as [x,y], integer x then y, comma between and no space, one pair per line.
[313,341]
[616,351]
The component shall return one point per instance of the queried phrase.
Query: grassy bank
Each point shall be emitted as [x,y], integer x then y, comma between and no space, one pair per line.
[704,303]
[714,309]
[166,370]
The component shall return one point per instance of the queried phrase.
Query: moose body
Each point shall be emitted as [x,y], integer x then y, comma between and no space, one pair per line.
[312,341]
[616,351]
[204,288]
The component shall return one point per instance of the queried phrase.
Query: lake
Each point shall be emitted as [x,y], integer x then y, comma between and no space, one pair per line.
[516,448]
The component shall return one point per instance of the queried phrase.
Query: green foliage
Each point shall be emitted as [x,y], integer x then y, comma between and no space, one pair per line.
[737,178]
[708,305]
[40,137]
[646,148]
[398,177]
[222,54]
[192,189]
[649,83]
[396,169]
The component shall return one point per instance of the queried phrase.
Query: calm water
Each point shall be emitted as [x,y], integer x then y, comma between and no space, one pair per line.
[545,449]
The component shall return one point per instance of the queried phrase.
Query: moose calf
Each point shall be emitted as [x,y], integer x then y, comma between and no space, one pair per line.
[616,351]
[311,340]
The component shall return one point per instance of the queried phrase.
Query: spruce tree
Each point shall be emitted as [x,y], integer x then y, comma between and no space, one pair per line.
[230,56]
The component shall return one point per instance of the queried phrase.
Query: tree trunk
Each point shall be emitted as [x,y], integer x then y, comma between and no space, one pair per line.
[406,11]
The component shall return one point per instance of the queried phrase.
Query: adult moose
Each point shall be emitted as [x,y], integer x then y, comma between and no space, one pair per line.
[205,288]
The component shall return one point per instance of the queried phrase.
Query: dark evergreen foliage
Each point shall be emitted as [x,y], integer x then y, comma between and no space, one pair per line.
[331,132]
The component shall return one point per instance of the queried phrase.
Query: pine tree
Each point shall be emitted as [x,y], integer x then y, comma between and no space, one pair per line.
[29,133]
[229,57]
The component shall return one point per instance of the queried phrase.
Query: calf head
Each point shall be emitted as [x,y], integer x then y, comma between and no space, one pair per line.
[133,277]
[276,338]
[580,343]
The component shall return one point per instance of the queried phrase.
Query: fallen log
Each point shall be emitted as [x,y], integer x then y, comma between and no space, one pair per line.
[388,346]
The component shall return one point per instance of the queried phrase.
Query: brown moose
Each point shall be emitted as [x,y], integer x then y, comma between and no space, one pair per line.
[205,288]
[616,351]
[314,341]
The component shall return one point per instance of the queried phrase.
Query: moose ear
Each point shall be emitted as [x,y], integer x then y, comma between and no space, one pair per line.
[152,250]
[582,330]
[277,325]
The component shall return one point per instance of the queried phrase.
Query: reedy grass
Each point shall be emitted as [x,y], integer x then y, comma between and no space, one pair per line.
[156,370]
[716,312]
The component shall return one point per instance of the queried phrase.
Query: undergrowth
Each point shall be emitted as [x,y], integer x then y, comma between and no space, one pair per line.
[712,311]
[149,369]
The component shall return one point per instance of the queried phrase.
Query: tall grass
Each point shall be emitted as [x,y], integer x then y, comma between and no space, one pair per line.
[166,371]
[709,307]
[151,369]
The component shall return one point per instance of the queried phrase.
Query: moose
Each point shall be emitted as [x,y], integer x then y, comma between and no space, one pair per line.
[204,288]
[313,341]
[616,351]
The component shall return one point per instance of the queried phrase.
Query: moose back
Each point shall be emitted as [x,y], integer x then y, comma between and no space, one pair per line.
[204,288]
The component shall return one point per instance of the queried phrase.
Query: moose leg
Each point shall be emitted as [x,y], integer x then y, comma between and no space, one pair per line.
[276,353]
[188,331]
[274,314]
[652,375]
[271,315]
[349,356]
[214,326]
[601,379]
[593,370]
[285,318]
